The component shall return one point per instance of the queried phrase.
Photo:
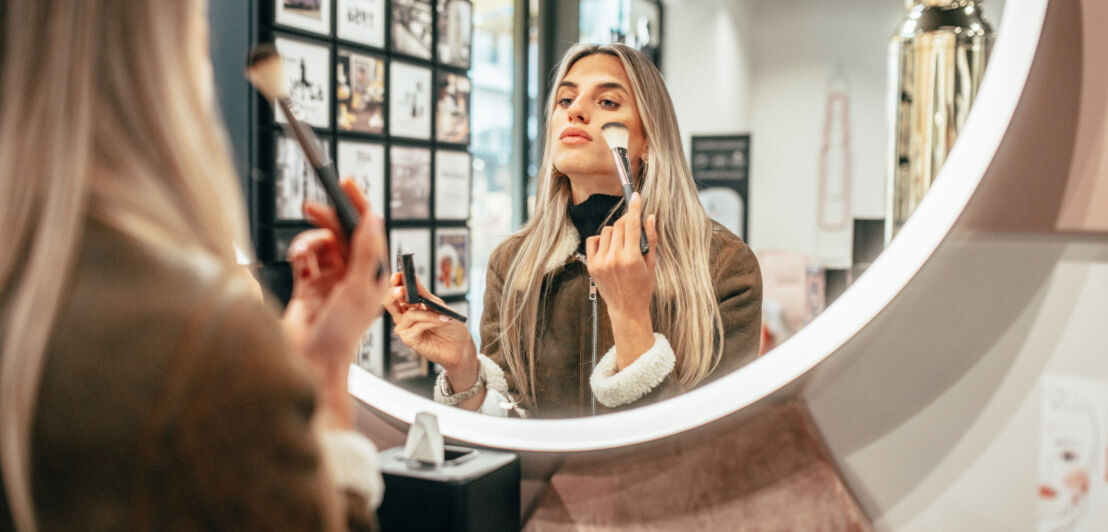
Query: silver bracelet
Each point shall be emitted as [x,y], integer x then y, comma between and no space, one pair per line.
[448,397]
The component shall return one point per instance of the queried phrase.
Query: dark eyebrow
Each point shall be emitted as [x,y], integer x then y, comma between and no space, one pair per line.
[611,85]
[602,86]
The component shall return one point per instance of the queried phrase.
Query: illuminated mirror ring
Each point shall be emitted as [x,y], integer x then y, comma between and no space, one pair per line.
[1009,66]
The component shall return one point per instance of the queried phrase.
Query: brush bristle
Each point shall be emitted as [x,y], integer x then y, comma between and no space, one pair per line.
[265,71]
[615,134]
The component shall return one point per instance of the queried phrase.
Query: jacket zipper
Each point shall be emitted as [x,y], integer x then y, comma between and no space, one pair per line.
[592,301]
[595,334]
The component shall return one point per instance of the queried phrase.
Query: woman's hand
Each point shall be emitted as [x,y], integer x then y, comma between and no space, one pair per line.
[625,279]
[438,338]
[337,294]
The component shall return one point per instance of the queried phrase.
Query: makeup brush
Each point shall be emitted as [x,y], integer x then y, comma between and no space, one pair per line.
[616,135]
[265,70]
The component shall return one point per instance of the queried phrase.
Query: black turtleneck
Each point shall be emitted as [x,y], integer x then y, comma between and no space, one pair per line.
[588,215]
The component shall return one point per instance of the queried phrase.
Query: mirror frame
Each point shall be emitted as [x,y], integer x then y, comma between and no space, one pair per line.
[1009,66]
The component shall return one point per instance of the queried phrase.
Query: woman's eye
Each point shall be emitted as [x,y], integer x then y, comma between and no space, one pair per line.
[609,104]
[565,102]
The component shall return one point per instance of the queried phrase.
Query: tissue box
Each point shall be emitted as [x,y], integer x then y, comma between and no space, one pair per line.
[474,490]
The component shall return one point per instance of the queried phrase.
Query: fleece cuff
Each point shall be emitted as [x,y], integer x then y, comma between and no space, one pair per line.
[351,461]
[613,387]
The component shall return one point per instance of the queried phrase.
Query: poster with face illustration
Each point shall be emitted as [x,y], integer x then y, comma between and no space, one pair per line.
[1073,450]
[308,75]
[451,261]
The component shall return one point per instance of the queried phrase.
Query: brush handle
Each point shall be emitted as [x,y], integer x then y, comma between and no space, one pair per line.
[623,167]
[324,168]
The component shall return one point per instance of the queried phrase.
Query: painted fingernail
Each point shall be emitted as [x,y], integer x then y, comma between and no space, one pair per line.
[444,319]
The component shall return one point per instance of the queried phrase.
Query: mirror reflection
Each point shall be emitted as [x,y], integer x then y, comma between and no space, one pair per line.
[775,147]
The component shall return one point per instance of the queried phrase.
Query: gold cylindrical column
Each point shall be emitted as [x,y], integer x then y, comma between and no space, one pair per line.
[936,62]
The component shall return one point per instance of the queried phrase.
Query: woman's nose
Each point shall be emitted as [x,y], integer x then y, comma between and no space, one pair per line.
[577,112]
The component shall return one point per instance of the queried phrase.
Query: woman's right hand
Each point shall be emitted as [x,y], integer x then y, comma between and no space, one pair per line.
[438,338]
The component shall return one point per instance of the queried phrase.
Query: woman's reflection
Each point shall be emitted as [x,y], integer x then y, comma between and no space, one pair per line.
[577,321]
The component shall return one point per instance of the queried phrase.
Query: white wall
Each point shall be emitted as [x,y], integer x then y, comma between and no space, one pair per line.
[967,459]
[706,61]
[764,67]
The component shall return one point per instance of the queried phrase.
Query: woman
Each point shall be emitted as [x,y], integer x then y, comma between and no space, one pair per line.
[143,382]
[686,312]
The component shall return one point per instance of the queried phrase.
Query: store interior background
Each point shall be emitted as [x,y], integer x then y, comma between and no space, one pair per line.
[961,454]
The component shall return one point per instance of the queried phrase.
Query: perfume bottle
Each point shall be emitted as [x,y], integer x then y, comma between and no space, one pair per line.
[937,60]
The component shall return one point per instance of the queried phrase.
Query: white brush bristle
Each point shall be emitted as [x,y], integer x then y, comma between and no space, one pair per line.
[615,134]
[266,73]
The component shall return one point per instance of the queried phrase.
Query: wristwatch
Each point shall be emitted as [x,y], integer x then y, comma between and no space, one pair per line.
[448,397]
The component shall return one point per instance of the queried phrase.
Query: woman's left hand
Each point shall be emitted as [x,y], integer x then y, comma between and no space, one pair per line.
[625,279]
[337,292]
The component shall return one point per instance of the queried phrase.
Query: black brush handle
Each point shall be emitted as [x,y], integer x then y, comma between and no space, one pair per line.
[348,215]
[623,167]
[324,169]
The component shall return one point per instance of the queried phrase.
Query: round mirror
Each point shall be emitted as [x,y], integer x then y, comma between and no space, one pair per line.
[782,69]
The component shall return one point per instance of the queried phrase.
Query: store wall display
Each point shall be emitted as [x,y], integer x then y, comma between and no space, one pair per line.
[308,15]
[308,70]
[452,108]
[364,75]
[294,180]
[455,32]
[362,22]
[364,162]
[410,101]
[370,354]
[360,92]
[410,180]
[411,27]
[453,170]
[451,261]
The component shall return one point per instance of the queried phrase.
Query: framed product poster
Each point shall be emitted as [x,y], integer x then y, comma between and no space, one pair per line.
[417,242]
[308,71]
[362,21]
[282,238]
[452,120]
[452,181]
[364,162]
[409,101]
[370,354]
[721,168]
[451,261]
[294,181]
[411,27]
[360,92]
[455,32]
[307,15]
[404,363]
[409,183]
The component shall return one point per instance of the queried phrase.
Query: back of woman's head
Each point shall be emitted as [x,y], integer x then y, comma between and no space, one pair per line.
[106,114]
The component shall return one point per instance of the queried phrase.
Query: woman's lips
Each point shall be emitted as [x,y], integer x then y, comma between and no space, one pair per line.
[574,135]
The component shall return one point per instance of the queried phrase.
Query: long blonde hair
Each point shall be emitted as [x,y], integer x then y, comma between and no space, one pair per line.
[104,116]
[684,306]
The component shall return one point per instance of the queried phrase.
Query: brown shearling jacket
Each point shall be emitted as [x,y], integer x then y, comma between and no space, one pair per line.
[564,359]
[170,401]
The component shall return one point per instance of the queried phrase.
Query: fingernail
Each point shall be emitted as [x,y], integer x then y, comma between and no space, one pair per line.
[634,196]
[444,319]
